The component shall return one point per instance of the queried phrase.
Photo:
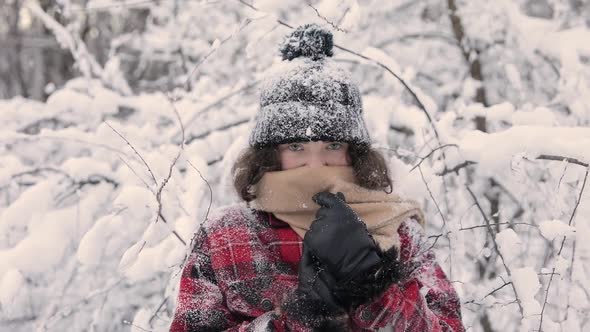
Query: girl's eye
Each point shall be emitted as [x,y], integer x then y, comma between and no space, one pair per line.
[335,146]
[295,147]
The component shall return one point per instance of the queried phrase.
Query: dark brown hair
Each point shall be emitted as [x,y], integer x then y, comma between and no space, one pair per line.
[369,167]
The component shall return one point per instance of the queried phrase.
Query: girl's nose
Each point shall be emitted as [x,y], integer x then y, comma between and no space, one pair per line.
[315,161]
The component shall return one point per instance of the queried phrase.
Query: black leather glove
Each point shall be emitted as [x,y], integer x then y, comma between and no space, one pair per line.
[314,303]
[340,240]
[316,283]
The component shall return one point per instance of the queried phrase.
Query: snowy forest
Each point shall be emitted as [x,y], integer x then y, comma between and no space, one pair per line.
[121,120]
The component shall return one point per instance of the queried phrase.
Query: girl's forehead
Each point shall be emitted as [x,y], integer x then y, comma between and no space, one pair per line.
[313,142]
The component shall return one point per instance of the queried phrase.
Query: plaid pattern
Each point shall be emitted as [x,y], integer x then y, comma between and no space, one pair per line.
[244,267]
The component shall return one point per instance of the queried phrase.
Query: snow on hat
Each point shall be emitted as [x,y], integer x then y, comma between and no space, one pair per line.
[308,97]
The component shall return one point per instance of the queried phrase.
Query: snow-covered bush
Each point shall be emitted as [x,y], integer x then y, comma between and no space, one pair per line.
[482,109]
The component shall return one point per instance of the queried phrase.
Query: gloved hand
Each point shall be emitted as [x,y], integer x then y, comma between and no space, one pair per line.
[340,241]
[314,303]
[316,283]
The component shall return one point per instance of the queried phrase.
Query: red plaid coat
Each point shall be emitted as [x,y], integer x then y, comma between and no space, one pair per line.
[244,266]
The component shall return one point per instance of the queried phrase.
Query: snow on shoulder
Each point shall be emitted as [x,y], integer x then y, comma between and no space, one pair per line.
[228,216]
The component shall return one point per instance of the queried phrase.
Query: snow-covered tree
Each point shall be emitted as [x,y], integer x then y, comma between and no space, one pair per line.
[481,107]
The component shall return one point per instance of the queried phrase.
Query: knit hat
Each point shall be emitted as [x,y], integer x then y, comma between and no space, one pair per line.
[308,97]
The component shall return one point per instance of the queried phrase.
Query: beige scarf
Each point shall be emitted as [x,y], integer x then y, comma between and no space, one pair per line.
[287,194]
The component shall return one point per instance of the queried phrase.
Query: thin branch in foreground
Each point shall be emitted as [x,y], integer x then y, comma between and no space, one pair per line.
[28,138]
[520,210]
[456,168]
[157,310]
[135,326]
[540,157]
[123,4]
[501,223]
[492,235]
[224,127]
[170,169]
[210,193]
[169,175]
[136,174]
[136,152]
[188,161]
[498,288]
[579,197]
[216,103]
[561,177]
[432,197]
[560,158]
[430,153]
[326,19]
[213,49]
[174,232]
[561,248]
[192,244]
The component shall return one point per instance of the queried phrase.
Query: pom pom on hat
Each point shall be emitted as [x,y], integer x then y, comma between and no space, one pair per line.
[310,99]
[310,40]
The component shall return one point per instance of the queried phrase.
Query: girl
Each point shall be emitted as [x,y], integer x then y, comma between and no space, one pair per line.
[322,243]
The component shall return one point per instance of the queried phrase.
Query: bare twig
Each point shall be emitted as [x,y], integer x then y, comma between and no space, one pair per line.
[579,197]
[497,289]
[548,61]
[326,19]
[208,207]
[343,16]
[502,223]
[242,25]
[122,4]
[68,310]
[157,310]
[560,158]
[174,232]
[493,237]
[170,169]
[192,242]
[224,127]
[430,153]
[419,36]
[562,175]
[561,248]
[56,303]
[432,197]
[456,168]
[27,138]
[214,104]
[520,210]
[540,157]
[136,326]
[136,152]
[137,175]
[169,176]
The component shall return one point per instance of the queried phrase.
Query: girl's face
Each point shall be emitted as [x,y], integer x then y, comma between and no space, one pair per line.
[313,154]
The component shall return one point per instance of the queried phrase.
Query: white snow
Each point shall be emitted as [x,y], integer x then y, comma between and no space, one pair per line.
[10,285]
[98,241]
[509,242]
[78,253]
[494,151]
[527,285]
[550,229]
